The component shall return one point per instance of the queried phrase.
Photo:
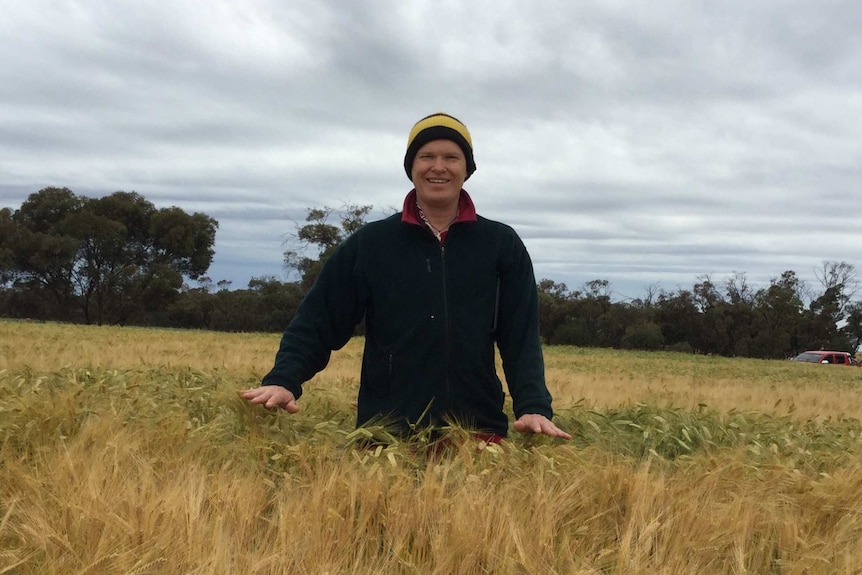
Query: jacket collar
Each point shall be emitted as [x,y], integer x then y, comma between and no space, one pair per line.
[410,213]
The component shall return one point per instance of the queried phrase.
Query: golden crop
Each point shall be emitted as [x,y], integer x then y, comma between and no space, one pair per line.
[127,450]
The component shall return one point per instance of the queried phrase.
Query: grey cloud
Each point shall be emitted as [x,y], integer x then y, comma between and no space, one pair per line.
[639,144]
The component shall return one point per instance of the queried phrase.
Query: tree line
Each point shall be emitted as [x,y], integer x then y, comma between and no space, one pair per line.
[120,260]
[727,318]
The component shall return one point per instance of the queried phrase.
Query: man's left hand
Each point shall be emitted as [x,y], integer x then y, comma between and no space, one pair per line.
[535,423]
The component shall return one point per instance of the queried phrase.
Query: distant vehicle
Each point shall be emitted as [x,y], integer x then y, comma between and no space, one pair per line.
[822,356]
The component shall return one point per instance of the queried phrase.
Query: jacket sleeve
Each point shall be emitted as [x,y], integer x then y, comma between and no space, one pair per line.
[324,321]
[518,333]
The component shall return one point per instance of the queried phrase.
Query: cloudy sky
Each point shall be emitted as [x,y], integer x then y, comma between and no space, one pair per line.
[642,143]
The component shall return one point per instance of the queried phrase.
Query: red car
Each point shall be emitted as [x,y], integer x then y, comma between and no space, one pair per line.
[822,356]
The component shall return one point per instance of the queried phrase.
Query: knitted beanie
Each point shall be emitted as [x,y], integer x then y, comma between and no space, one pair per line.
[439,126]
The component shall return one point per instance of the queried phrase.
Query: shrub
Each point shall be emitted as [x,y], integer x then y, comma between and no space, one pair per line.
[646,336]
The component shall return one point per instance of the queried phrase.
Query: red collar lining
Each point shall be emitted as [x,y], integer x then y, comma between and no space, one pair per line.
[410,213]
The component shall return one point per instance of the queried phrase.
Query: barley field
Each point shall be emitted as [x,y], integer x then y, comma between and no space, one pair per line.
[128,450]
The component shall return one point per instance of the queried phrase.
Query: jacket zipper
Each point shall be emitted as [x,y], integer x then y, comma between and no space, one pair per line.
[446,342]
[496,305]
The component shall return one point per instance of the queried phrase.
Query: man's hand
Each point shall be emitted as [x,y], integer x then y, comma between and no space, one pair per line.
[535,423]
[272,396]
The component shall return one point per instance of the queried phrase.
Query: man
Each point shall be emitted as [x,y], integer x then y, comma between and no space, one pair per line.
[438,286]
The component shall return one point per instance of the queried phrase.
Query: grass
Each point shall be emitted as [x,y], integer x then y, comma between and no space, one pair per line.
[128,450]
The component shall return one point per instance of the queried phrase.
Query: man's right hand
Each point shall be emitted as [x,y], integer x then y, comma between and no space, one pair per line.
[272,396]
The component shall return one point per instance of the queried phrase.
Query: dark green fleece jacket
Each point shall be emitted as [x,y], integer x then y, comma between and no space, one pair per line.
[433,313]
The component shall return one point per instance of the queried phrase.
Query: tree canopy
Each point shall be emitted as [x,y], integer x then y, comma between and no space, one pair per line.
[97,260]
[317,234]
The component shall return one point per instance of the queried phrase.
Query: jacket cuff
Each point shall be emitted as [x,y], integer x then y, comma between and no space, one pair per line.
[538,409]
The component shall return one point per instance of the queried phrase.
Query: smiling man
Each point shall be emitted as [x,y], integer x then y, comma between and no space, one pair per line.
[439,286]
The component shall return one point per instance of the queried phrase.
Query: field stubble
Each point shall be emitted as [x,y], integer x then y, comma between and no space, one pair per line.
[128,451]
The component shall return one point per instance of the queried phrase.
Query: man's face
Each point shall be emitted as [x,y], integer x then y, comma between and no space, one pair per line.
[439,171]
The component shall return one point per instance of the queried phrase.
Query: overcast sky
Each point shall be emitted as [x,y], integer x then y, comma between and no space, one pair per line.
[642,143]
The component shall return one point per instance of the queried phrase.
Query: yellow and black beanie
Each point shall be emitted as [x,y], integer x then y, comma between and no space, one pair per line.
[439,126]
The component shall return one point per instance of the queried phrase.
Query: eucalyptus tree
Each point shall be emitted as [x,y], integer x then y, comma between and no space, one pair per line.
[107,259]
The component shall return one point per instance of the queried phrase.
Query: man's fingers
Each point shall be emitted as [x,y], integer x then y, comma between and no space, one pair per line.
[535,423]
[272,396]
[557,432]
[554,431]
[255,395]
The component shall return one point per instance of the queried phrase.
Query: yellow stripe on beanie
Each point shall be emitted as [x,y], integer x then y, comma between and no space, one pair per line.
[439,126]
[440,119]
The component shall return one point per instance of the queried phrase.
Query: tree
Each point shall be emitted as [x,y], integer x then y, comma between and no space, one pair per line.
[821,322]
[778,310]
[841,278]
[820,329]
[182,241]
[740,301]
[112,258]
[737,289]
[43,252]
[677,315]
[45,212]
[7,253]
[852,330]
[716,320]
[555,307]
[648,301]
[324,236]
